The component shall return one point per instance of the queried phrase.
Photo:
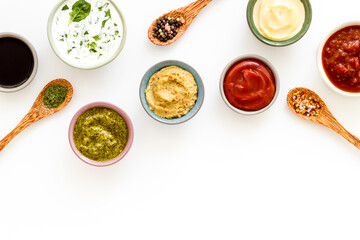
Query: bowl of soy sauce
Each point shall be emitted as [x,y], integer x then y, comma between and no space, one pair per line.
[18,62]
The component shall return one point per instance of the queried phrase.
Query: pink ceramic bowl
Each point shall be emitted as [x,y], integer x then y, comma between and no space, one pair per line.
[111,161]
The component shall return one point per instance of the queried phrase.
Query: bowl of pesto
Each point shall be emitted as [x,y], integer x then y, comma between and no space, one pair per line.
[101,134]
[86,34]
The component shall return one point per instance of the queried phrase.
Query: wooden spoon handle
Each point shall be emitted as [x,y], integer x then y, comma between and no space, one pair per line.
[194,8]
[30,118]
[330,121]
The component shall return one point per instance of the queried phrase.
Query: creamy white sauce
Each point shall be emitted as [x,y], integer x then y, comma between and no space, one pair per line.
[92,41]
[279,19]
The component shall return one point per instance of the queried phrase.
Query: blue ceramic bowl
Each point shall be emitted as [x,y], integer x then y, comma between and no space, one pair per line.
[156,68]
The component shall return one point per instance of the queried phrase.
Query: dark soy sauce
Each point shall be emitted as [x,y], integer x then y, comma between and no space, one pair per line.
[16,62]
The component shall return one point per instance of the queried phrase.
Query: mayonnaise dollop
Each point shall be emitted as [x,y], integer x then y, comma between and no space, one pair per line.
[279,19]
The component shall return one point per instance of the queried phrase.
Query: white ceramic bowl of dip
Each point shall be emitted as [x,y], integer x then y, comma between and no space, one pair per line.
[78,57]
[320,62]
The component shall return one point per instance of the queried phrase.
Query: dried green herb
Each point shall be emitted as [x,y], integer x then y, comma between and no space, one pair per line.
[54,96]
[80,10]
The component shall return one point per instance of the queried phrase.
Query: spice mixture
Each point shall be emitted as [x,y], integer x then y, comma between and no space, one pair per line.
[54,96]
[167,28]
[305,105]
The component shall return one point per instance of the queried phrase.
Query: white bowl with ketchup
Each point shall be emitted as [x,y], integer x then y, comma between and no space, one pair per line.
[249,84]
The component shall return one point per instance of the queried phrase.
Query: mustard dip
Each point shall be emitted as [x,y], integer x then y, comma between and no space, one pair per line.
[279,19]
[171,92]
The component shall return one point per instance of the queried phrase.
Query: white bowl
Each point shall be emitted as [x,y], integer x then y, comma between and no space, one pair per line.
[320,64]
[245,57]
[60,55]
[35,67]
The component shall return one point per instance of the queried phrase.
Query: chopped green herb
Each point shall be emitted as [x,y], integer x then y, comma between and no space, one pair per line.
[96,38]
[61,40]
[92,50]
[116,32]
[80,10]
[115,24]
[93,45]
[65,8]
[107,13]
[69,51]
[66,35]
[105,5]
[106,41]
[103,23]
[54,96]
[81,43]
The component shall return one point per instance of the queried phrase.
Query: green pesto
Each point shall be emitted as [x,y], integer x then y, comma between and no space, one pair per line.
[100,133]
[54,96]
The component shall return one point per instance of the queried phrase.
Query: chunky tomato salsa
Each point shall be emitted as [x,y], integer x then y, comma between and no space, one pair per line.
[340,58]
[249,85]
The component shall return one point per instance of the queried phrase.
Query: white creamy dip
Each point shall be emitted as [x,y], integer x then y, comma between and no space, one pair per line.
[89,42]
[279,19]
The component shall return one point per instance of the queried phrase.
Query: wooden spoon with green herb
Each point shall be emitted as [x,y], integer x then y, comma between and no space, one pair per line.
[53,98]
[187,13]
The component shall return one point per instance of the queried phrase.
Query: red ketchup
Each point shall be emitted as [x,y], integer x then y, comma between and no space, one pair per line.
[249,85]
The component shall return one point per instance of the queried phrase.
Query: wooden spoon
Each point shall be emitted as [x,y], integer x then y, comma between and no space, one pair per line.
[38,111]
[188,12]
[324,117]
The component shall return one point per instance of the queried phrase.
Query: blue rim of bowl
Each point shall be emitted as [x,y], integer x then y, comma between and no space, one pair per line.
[58,54]
[282,43]
[200,95]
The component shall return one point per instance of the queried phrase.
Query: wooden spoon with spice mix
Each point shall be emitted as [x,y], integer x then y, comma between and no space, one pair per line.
[185,15]
[309,106]
[39,110]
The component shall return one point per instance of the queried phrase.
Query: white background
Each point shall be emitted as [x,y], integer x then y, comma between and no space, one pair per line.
[219,176]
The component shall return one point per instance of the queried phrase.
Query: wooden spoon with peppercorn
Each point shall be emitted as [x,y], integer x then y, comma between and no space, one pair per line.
[171,26]
[55,100]
[309,106]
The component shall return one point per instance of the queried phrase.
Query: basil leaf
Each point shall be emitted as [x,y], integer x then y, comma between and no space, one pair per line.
[65,8]
[80,10]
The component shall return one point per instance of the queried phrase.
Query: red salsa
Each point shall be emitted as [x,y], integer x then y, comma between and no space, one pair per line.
[340,58]
[249,85]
